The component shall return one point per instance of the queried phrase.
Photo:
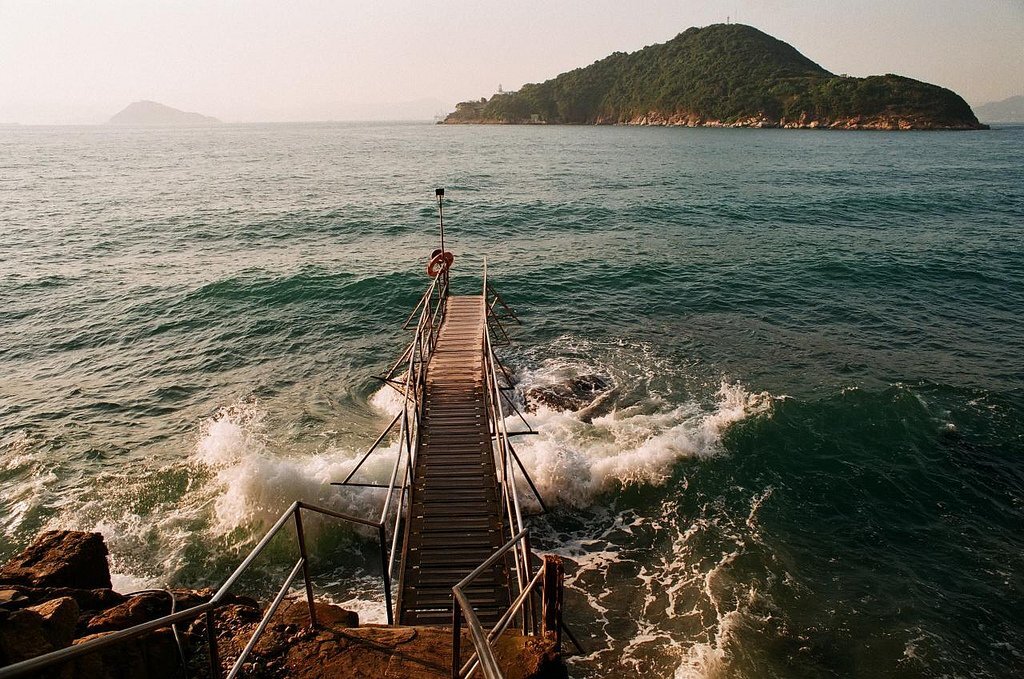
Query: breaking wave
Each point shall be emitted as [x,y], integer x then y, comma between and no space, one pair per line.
[572,461]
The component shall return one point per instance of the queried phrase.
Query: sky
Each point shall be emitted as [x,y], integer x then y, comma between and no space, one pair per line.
[81,61]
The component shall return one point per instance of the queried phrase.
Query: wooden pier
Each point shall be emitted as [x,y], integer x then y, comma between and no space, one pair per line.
[454,522]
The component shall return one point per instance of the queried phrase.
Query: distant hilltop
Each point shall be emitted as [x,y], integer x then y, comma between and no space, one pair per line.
[1006,111]
[725,75]
[152,113]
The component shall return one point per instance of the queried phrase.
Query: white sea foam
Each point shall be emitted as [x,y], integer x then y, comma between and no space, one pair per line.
[572,460]
[242,474]
[254,484]
[387,400]
[240,481]
[21,458]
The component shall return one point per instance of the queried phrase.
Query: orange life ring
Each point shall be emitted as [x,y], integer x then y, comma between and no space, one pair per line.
[442,261]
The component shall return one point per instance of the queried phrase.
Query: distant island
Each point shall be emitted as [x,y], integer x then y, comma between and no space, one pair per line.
[1006,111]
[725,75]
[152,113]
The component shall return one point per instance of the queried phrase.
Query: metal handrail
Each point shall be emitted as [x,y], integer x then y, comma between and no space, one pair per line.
[462,607]
[483,655]
[408,376]
[510,491]
[35,665]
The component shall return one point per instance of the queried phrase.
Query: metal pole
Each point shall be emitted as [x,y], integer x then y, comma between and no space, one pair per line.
[456,638]
[387,576]
[376,443]
[211,643]
[305,566]
[552,598]
[440,213]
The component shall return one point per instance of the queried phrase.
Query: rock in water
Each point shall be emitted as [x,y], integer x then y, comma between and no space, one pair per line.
[571,394]
[60,558]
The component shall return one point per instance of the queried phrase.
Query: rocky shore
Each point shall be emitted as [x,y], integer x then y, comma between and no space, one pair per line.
[57,593]
[888,123]
[804,122]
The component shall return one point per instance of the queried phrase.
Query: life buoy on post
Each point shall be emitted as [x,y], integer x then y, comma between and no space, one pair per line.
[439,261]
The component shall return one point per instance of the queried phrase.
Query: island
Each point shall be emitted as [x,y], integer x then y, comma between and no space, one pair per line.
[1009,110]
[724,75]
[151,113]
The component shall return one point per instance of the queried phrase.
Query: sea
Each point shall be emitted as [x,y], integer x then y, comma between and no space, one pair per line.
[813,460]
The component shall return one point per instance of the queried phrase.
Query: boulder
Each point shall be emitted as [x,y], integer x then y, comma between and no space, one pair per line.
[13,599]
[22,636]
[576,393]
[154,656]
[59,618]
[87,599]
[135,611]
[37,630]
[60,558]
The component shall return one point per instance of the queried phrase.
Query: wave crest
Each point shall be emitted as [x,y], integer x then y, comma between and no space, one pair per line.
[572,461]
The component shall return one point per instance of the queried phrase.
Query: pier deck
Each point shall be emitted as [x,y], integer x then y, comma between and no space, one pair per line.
[454,523]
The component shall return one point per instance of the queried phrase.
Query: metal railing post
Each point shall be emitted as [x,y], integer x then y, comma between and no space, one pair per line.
[301,534]
[387,576]
[211,644]
[551,598]
[456,639]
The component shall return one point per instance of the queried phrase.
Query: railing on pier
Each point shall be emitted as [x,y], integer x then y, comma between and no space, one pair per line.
[546,584]
[33,666]
[408,377]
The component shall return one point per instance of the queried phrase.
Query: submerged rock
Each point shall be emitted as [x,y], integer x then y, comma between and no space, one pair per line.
[590,395]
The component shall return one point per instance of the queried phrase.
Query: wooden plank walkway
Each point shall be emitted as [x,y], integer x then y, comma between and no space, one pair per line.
[454,521]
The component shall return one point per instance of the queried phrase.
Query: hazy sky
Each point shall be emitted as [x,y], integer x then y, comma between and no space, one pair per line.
[74,61]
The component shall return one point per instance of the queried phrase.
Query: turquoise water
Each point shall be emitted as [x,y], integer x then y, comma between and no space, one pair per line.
[815,465]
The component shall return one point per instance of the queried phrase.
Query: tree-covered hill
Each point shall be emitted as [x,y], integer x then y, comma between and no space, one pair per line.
[723,75]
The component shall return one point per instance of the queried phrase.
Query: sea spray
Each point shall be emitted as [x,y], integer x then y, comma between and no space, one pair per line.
[254,485]
[571,461]
[237,483]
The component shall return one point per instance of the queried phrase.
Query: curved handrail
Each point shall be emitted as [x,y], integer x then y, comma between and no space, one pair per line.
[461,605]
[547,580]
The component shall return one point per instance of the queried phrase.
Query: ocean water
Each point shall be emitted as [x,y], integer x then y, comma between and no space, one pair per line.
[815,462]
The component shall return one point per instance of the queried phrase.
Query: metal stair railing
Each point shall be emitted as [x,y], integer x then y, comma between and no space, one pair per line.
[548,581]
[33,666]
[413,363]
